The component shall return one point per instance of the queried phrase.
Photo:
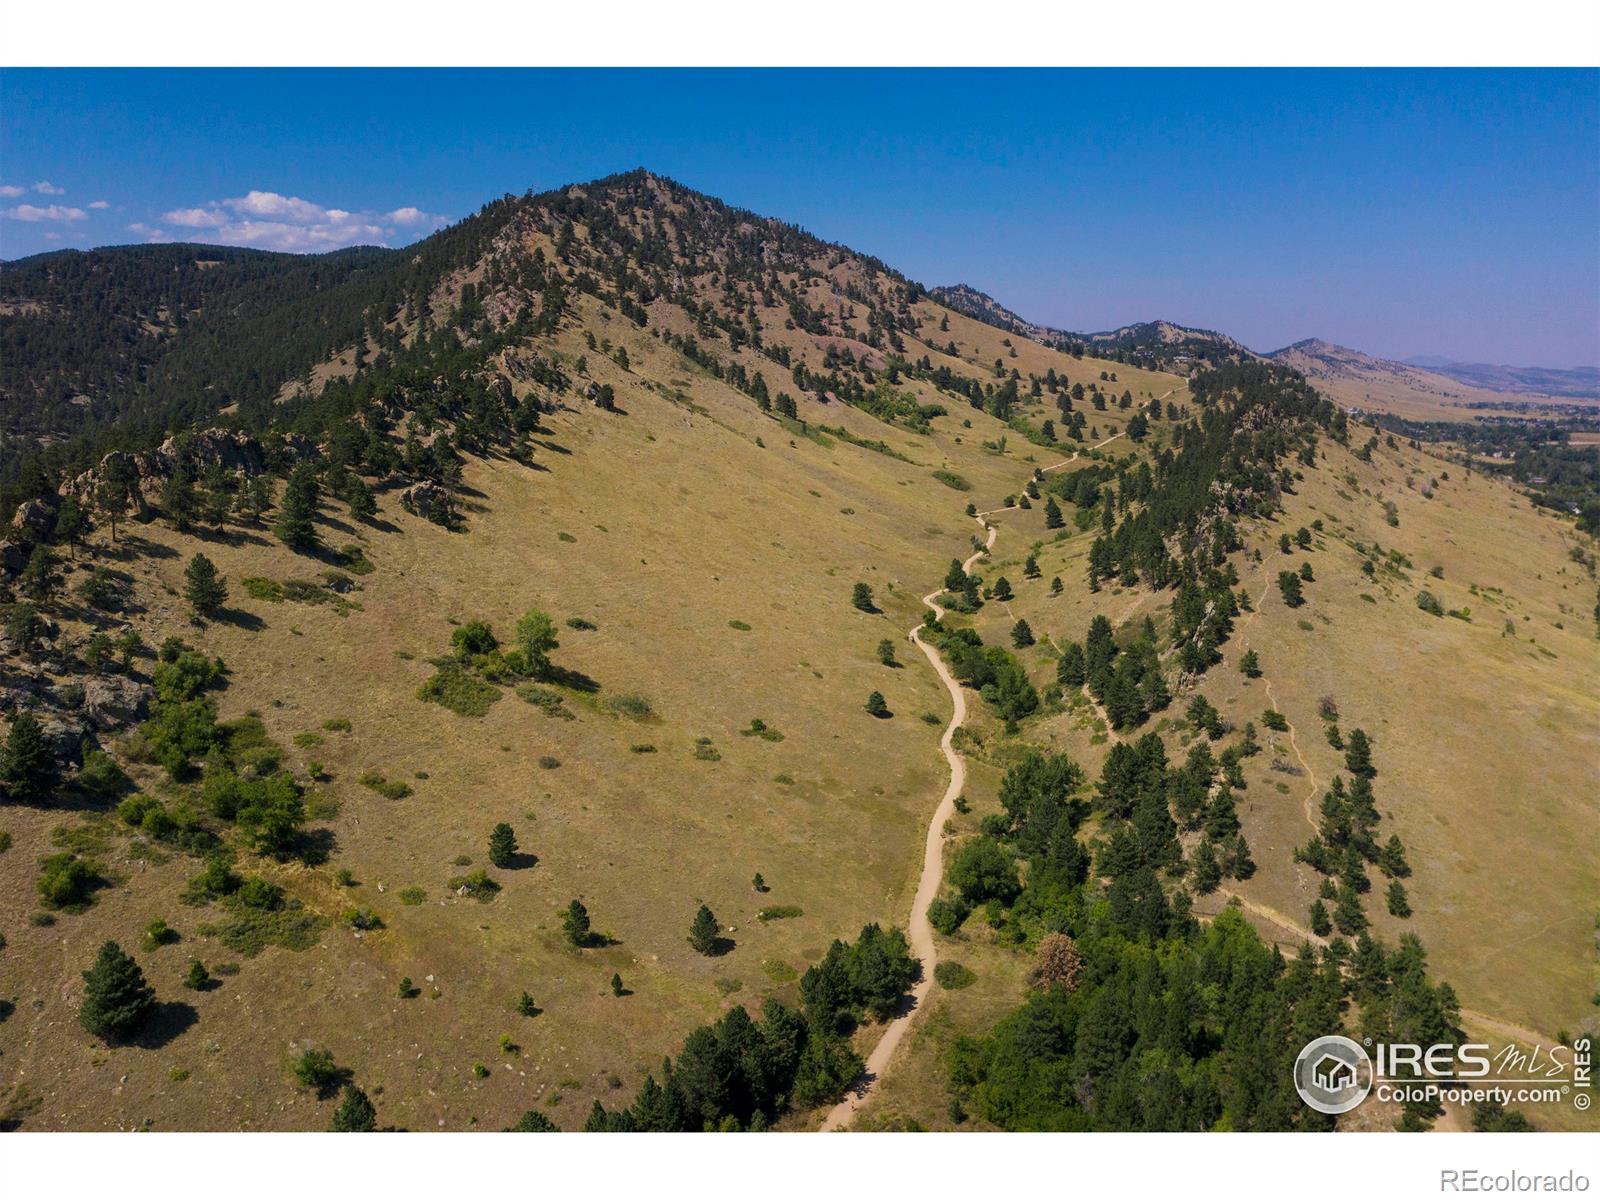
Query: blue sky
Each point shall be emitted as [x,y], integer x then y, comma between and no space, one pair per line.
[1432,212]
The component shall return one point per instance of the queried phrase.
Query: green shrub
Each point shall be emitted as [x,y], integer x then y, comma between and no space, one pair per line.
[259,588]
[390,789]
[636,707]
[476,884]
[551,702]
[952,976]
[100,774]
[780,912]
[412,896]
[68,883]
[337,725]
[456,688]
[362,918]
[248,931]
[315,1069]
[946,914]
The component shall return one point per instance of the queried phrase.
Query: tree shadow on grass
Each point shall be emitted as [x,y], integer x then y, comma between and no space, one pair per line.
[315,846]
[240,619]
[521,861]
[168,1020]
[568,678]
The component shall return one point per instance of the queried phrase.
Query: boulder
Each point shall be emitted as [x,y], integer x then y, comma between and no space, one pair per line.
[429,501]
[115,701]
[34,520]
[66,736]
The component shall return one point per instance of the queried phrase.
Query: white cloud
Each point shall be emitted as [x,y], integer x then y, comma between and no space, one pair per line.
[45,188]
[149,232]
[196,218]
[10,189]
[53,212]
[273,221]
[100,204]
[411,215]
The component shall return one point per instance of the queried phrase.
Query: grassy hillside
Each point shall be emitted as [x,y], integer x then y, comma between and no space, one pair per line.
[713,550]
[687,434]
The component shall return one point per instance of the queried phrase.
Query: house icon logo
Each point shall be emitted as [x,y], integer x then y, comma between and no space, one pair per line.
[1333,1074]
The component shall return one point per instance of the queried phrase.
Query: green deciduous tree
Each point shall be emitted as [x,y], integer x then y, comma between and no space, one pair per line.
[536,637]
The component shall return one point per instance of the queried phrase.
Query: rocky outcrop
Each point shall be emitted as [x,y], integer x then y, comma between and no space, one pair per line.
[115,701]
[35,520]
[67,736]
[430,502]
[205,448]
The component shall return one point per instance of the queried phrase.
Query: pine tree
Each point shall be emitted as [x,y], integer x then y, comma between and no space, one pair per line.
[861,597]
[1055,586]
[703,931]
[1250,665]
[204,589]
[1320,924]
[576,923]
[877,706]
[886,653]
[28,766]
[179,503]
[39,578]
[72,524]
[1069,667]
[502,845]
[198,976]
[116,998]
[526,1006]
[616,984]
[296,525]
[1052,514]
[355,1113]
[1347,914]
[1022,635]
[1399,906]
[1358,755]
[359,497]
[955,578]
[1289,585]
[1207,871]
[1030,569]
[1392,858]
[1002,588]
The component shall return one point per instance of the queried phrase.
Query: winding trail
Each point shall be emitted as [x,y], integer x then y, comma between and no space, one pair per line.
[920,931]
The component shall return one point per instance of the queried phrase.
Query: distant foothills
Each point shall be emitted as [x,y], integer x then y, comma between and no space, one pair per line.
[1177,344]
